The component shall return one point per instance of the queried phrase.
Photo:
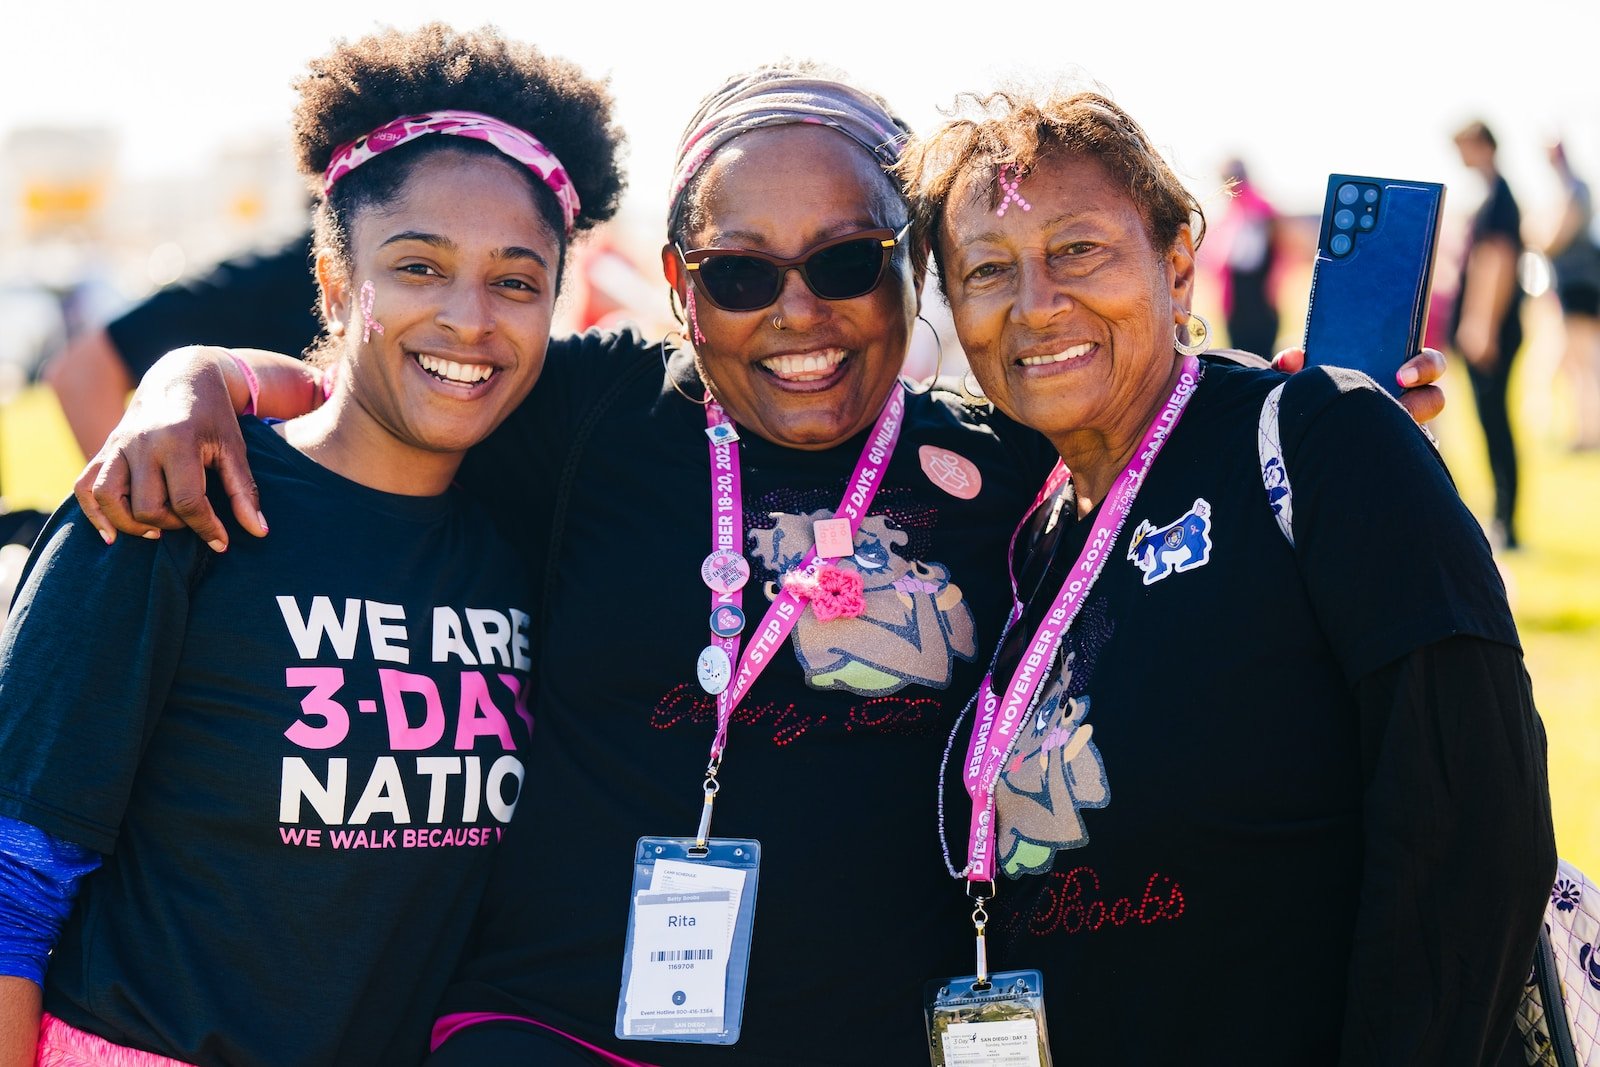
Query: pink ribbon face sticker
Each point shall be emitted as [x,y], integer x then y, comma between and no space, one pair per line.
[1010,190]
[369,325]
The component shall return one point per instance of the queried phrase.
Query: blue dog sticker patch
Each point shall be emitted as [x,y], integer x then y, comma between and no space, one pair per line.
[1176,547]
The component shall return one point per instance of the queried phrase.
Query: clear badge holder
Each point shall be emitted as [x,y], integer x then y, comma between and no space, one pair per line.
[994,1023]
[690,920]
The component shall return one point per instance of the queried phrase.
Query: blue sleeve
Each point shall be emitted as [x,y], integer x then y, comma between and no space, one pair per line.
[39,876]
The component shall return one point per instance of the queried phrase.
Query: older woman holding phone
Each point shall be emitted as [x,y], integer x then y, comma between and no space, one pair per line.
[1281,783]
[664,555]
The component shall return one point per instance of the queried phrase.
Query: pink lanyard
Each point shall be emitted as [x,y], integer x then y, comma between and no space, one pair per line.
[994,732]
[727,535]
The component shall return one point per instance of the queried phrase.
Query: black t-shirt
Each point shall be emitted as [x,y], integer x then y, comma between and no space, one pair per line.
[1497,217]
[832,758]
[1181,831]
[297,756]
[266,301]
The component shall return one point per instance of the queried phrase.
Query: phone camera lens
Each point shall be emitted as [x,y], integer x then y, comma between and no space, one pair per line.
[1344,218]
[1340,244]
[1348,194]
[1370,195]
[1367,222]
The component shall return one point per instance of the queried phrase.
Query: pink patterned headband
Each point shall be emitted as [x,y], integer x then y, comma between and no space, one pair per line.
[518,144]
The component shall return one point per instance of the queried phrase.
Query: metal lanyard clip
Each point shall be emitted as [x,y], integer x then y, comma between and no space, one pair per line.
[980,893]
[980,922]
[703,834]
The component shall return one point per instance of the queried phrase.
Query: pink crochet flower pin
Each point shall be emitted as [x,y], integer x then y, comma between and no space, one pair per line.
[833,592]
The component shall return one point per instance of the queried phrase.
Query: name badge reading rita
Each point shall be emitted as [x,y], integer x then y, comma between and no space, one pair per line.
[688,948]
[679,962]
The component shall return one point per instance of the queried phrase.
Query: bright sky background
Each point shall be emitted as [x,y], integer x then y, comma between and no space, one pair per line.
[1299,90]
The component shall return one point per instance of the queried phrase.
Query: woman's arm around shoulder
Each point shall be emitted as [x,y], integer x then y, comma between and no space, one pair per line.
[150,475]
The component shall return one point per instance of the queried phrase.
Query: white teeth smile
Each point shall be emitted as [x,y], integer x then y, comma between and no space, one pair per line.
[809,367]
[1060,357]
[451,371]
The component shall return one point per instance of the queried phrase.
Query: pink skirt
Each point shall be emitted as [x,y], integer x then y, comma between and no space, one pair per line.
[61,1045]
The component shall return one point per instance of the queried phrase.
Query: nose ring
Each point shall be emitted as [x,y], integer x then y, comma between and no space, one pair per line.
[777,322]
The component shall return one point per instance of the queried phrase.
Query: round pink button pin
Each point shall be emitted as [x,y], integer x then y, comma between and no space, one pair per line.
[725,572]
[955,474]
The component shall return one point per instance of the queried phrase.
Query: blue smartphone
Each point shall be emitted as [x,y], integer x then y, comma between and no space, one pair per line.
[1374,269]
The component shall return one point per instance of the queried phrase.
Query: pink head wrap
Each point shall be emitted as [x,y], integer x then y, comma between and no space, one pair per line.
[518,144]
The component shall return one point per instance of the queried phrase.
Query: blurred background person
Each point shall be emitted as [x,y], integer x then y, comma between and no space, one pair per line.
[1247,259]
[259,300]
[1575,260]
[1487,327]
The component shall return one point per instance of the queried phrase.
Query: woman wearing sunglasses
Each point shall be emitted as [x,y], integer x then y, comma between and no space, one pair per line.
[672,563]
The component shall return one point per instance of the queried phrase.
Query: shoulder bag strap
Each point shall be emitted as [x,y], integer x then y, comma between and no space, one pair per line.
[1274,471]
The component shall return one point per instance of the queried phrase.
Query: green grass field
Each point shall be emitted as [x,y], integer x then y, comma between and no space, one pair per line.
[1554,580]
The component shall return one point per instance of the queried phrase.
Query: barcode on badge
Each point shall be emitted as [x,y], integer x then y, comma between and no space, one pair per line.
[673,955]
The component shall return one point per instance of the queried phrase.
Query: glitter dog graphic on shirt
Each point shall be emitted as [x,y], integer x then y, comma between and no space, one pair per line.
[1175,548]
[915,623]
[1054,772]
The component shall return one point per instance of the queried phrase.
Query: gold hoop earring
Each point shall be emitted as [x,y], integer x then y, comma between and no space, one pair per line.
[1192,338]
[938,363]
[973,390]
[703,401]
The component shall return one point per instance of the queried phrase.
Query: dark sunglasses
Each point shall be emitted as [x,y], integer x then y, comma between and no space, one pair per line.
[842,268]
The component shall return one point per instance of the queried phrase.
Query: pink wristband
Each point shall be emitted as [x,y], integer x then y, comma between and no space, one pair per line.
[250,380]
